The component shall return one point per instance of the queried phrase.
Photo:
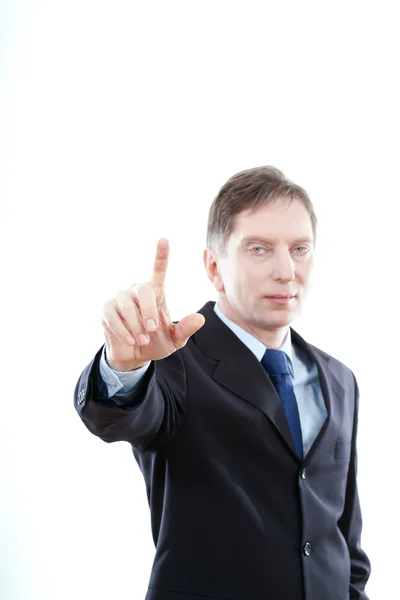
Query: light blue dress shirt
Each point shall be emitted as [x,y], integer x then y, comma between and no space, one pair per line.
[303,370]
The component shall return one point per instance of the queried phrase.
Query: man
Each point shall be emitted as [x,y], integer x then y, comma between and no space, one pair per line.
[244,432]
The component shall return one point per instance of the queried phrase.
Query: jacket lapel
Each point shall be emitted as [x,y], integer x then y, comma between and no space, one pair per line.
[239,371]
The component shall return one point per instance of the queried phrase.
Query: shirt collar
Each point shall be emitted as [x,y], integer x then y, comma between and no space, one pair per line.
[252,342]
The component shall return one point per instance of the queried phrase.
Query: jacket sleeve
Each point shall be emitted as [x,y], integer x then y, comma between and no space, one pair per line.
[118,382]
[350,522]
[152,415]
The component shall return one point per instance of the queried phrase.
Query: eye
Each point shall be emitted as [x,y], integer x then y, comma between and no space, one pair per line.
[257,250]
[302,248]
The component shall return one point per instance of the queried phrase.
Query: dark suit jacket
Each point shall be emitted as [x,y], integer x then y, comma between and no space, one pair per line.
[236,515]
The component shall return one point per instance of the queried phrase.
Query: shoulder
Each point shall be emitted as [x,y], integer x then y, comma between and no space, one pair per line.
[333,361]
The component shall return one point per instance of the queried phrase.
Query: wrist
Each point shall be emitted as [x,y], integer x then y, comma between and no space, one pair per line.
[125,366]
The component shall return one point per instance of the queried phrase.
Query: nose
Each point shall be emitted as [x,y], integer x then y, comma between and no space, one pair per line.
[283,267]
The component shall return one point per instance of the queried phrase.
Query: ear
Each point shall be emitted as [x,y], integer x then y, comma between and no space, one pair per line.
[210,259]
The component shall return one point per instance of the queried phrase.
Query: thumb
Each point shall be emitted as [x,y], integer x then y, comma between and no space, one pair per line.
[187,327]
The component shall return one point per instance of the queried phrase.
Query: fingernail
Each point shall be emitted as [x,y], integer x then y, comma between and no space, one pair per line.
[143,339]
[151,324]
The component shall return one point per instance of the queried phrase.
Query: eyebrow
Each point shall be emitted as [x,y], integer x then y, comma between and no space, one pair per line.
[258,238]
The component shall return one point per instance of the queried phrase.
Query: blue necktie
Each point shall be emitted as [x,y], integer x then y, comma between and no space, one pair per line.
[276,364]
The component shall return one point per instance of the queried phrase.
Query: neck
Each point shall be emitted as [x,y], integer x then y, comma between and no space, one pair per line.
[272,337]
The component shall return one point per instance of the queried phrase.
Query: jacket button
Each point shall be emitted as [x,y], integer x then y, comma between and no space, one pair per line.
[307,549]
[303,474]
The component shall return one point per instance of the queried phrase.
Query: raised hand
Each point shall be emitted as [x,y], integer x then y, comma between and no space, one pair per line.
[137,325]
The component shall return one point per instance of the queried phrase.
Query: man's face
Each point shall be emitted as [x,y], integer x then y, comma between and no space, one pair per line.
[269,253]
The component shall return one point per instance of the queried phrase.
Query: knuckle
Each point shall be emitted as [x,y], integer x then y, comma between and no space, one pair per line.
[109,324]
[144,291]
[125,304]
[107,306]
[136,288]
[121,296]
[106,315]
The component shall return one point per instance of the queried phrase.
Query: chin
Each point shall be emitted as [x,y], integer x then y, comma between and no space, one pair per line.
[282,319]
[281,322]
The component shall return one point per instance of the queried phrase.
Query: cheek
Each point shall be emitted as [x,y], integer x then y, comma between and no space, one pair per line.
[302,274]
[250,282]
[236,281]
[244,279]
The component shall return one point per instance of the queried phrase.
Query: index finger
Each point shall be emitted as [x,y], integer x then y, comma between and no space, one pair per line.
[160,263]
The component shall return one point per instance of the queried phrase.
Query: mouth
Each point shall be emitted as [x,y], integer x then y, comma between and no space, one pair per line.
[282,299]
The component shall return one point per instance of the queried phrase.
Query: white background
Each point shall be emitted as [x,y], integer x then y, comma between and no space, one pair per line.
[119,122]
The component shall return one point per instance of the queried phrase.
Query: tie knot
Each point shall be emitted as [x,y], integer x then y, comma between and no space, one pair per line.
[275,362]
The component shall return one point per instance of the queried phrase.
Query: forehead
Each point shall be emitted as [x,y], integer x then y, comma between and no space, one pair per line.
[285,219]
